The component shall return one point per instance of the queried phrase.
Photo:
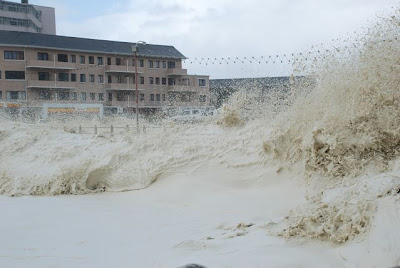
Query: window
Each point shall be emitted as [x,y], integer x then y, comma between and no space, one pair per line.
[158,97]
[16,95]
[44,95]
[62,57]
[185,81]
[171,64]
[118,61]
[119,79]
[72,58]
[91,60]
[119,96]
[42,56]
[142,80]
[99,60]
[164,64]
[141,97]
[63,95]
[185,98]
[164,81]
[83,96]
[15,75]
[157,80]
[158,64]
[202,82]
[12,95]
[101,96]
[13,55]
[101,79]
[108,61]
[163,97]
[92,96]
[0,74]
[171,81]
[44,76]
[63,77]
[109,79]
[151,64]
[73,77]
[151,80]
[83,78]
[202,98]
[1,95]
[141,63]
[110,97]
[82,59]
[74,96]
[151,97]
[91,78]
[22,95]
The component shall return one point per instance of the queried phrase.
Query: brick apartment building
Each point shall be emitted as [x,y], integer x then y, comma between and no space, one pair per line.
[38,69]
[24,17]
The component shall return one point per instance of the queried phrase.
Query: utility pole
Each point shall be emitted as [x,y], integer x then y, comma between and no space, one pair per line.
[135,49]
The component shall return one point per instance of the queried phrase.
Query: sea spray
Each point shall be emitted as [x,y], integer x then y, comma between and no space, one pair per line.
[342,131]
[350,119]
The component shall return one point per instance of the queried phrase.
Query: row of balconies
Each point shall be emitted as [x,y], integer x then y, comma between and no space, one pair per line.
[42,64]
[110,86]
[148,104]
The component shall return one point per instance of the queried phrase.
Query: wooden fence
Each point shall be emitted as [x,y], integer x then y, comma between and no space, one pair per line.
[97,130]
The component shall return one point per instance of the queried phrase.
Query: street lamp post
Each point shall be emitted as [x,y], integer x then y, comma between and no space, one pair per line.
[135,49]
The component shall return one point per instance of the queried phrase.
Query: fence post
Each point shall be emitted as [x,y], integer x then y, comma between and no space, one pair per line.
[112,130]
[95,129]
[80,129]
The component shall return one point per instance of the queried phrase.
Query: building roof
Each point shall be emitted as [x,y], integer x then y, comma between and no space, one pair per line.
[34,40]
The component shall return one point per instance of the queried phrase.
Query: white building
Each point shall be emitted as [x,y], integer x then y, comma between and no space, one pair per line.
[24,17]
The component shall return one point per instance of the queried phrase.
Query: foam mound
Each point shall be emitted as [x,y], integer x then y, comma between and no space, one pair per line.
[340,214]
[43,160]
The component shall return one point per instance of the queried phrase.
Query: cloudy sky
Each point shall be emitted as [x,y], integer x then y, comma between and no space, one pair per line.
[219,28]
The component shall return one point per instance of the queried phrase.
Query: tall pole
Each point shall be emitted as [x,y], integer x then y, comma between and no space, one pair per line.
[137,92]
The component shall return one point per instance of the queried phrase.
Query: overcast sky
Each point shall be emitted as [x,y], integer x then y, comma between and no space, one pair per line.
[218,28]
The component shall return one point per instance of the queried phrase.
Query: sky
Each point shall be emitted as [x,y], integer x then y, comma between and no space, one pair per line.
[219,28]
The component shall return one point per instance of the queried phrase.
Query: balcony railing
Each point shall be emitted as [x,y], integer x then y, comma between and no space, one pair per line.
[185,88]
[51,84]
[120,86]
[47,64]
[122,69]
[142,104]
[176,72]
[130,103]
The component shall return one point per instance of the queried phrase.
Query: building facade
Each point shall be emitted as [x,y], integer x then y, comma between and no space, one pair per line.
[37,69]
[24,17]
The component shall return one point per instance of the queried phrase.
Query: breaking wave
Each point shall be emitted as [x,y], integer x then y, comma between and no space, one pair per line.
[342,132]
